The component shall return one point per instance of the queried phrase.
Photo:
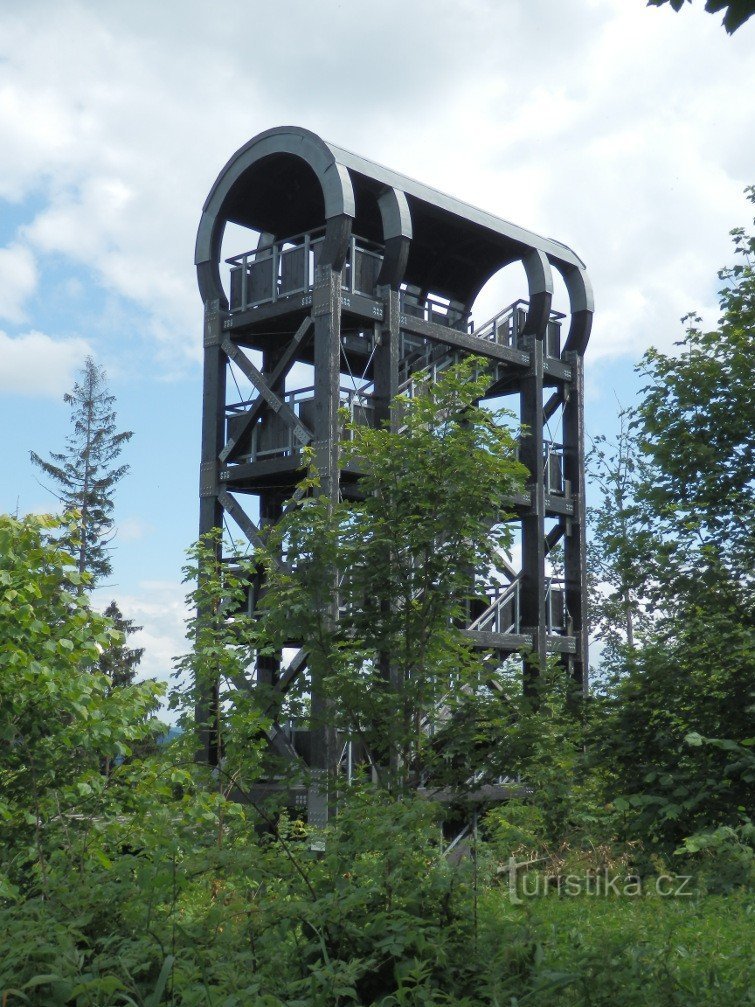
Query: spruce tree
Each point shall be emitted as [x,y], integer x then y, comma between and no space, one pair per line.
[119,661]
[84,473]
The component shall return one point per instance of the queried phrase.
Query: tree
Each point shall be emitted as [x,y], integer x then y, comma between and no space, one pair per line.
[620,547]
[736,12]
[84,473]
[396,564]
[118,661]
[58,715]
[698,428]
[692,677]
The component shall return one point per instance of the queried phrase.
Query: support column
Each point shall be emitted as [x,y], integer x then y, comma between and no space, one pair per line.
[575,546]
[532,598]
[271,506]
[385,374]
[386,360]
[210,510]
[326,310]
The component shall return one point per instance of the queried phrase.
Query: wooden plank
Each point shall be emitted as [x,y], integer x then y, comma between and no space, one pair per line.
[280,744]
[556,504]
[355,304]
[509,642]
[556,644]
[480,795]
[553,404]
[268,468]
[553,537]
[557,369]
[292,672]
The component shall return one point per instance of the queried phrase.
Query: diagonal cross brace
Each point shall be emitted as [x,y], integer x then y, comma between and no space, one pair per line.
[297,664]
[281,368]
[276,403]
[553,537]
[242,519]
[553,403]
[245,523]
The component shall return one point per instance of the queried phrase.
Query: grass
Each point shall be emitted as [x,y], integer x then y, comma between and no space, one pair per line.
[632,952]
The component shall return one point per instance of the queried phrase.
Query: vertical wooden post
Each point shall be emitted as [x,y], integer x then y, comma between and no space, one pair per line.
[532,597]
[210,511]
[385,372]
[575,546]
[326,311]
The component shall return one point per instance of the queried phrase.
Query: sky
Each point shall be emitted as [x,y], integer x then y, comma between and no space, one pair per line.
[624,131]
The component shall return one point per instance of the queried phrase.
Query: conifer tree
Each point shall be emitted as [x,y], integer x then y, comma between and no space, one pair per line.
[84,473]
[119,661]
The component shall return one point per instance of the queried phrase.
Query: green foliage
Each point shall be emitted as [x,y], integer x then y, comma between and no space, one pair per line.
[690,498]
[736,12]
[58,716]
[84,475]
[724,857]
[621,546]
[394,566]
[224,640]
[161,881]
[119,661]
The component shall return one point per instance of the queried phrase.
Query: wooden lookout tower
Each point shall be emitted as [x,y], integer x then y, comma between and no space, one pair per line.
[354,269]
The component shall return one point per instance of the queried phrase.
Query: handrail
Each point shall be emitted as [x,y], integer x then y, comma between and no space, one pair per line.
[430,304]
[487,619]
[306,394]
[555,316]
[487,331]
[272,283]
[493,611]
[554,482]
[236,259]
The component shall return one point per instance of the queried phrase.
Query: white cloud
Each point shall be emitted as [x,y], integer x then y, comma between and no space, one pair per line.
[36,364]
[18,280]
[159,607]
[133,529]
[589,121]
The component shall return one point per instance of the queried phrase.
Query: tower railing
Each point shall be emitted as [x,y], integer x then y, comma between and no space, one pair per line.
[417,354]
[433,308]
[503,614]
[272,436]
[553,467]
[282,269]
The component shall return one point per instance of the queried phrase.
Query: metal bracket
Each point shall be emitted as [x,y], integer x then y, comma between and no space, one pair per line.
[324,293]
[208,479]
[212,325]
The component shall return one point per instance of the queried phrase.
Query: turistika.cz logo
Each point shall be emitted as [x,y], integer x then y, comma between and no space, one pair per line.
[525,884]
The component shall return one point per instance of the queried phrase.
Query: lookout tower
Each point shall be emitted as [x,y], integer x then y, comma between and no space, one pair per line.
[351,269]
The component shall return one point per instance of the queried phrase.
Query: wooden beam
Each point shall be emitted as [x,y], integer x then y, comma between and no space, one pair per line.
[553,537]
[295,668]
[242,519]
[552,404]
[280,370]
[509,642]
[301,432]
[465,341]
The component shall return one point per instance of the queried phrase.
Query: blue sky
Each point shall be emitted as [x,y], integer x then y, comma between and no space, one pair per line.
[624,131]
